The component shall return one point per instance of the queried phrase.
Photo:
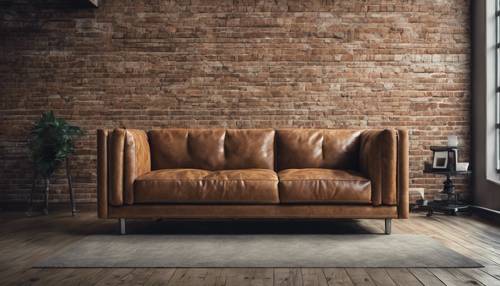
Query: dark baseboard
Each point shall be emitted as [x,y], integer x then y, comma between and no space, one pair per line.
[37,207]
[487,214]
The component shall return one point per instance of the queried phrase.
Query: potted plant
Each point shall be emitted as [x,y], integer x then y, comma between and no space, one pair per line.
[51,142]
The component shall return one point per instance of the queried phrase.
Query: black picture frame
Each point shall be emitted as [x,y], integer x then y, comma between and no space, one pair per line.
[444,158]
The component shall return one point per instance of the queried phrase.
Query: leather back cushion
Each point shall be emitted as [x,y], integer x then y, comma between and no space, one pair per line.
[212,149]
[318,148]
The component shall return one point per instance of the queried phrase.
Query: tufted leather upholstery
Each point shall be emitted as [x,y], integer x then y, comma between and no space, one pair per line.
[336,170]
[317,148]
[258,186]
[212,149]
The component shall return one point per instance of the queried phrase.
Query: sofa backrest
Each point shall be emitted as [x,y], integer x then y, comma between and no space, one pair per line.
[212,149]
[318,148]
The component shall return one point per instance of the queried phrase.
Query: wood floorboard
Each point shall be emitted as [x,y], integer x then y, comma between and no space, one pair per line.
[469,228]
[478,275]
[493,270]
[245,276]
[160,276]
[359,276]
[313,277]
[85,276]
[287,277]
[403,277]
[465,238]
[449,278]
[426,277]
[380,276]
[449,240]
[25,240]
[337,276]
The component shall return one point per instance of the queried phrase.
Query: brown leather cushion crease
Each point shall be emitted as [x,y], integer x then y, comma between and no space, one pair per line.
[250,186]
[314,185]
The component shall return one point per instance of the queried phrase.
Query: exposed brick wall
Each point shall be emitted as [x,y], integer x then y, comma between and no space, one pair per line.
[150,64]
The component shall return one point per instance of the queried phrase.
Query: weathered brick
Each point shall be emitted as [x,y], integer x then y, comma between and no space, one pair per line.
[153,64]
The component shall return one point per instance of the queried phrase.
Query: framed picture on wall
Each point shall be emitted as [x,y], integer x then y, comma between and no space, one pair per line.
[440,160]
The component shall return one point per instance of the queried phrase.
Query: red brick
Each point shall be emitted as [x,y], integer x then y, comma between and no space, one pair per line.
[154,64]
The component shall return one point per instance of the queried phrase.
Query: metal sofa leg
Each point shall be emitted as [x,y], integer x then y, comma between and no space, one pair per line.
[122,226]
[388,224]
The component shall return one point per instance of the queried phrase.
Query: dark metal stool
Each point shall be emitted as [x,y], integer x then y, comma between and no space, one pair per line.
[451,205]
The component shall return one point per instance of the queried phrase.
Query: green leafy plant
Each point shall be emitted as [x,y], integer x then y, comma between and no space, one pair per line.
[51,141]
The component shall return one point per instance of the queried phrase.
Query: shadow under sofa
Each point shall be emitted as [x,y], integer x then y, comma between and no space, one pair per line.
[252,174]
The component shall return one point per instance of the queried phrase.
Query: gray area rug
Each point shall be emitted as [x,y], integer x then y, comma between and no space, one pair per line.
[257,251]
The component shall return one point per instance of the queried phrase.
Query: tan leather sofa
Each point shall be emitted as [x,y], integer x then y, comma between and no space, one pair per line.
[252,174]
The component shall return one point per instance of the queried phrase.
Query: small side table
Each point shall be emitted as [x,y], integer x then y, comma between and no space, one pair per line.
[451,205]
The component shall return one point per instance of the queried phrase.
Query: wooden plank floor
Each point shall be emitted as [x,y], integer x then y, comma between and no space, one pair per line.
[24,240]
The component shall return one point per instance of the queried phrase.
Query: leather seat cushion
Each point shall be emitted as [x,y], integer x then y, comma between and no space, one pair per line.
[249,186]
[321,186]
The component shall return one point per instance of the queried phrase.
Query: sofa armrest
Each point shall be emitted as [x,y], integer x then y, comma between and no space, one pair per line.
[137,161]
[102,173]
[378,162]
[124,157]
[403,174]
